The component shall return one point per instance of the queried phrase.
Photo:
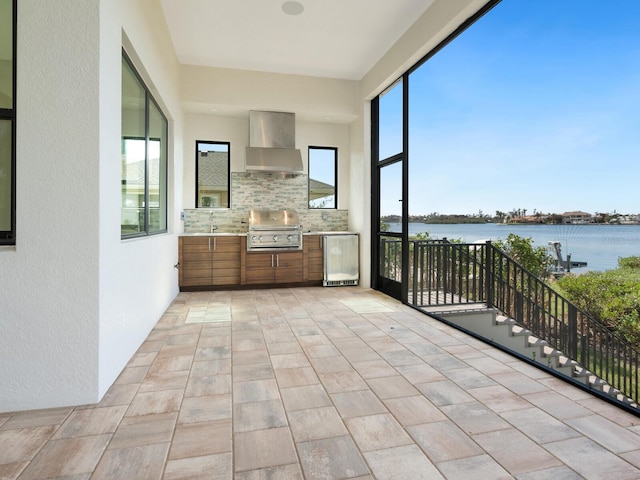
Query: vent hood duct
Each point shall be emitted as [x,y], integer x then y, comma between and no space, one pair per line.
[272,139]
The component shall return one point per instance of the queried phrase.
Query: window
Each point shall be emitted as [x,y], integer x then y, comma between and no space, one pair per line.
[391,122]
[323,177]
[144,158]
[391,157]
[7,122]
[212,174]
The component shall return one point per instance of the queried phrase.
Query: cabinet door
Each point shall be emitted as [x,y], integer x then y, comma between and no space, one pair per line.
[225,261]
[313,258]
[195,261]
[289,268]
[260,268]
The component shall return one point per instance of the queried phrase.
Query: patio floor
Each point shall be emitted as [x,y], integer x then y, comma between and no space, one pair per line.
[322,383]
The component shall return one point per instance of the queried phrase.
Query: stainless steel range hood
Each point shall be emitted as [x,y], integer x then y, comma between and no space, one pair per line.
[272,139]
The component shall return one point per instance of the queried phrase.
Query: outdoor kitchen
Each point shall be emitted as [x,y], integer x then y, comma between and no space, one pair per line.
[269,211]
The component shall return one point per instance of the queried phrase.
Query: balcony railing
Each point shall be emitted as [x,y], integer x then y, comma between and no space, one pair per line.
[446,274]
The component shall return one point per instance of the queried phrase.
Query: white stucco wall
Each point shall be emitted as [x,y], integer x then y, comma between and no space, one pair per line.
[360,189]
[49,302]
[76,301]
[138,280]
[238,91]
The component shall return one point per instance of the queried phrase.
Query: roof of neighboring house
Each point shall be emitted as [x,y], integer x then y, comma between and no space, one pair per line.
[576,214]
[134,173]
[318,189]
[213,169]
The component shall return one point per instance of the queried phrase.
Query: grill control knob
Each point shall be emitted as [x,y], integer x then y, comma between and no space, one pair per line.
[275,238]
[290,237]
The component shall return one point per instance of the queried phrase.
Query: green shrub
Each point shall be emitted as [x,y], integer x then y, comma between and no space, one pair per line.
[629,262]
[611,297]
[535,259]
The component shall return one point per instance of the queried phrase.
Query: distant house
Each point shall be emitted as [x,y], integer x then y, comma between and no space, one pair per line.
[577,218]
[626,220]
[530,219]
[213,179]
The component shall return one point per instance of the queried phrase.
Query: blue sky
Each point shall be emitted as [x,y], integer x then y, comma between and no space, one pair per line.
[536,106]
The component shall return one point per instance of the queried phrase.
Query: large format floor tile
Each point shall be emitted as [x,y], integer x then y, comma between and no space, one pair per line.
[321,383]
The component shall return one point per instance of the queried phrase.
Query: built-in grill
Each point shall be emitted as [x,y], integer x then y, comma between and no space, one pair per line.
[274,229]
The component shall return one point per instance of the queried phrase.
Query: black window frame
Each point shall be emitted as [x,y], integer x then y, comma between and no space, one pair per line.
[8,237]
[213,142]
[405,156]
[149,99]
[335,176]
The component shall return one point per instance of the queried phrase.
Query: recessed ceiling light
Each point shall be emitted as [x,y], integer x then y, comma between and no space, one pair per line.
[292,8]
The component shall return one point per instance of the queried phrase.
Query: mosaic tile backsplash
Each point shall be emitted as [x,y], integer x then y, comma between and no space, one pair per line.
[261,191]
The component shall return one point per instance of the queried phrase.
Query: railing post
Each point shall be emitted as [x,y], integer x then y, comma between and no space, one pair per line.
[573,331]
[488,278]
[382,256]
[415,272]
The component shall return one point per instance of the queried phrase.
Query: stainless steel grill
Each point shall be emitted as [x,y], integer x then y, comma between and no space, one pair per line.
[274,229]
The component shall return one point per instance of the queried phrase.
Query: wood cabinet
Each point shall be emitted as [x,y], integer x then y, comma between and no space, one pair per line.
[313,258]
[261,268]
[209,261]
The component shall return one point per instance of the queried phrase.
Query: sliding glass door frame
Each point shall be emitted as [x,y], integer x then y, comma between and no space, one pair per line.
[393,287]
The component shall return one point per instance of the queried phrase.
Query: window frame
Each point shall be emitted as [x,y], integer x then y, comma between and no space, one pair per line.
[213,142]
[8,237]
[164,157]
[335,176]
[402,291]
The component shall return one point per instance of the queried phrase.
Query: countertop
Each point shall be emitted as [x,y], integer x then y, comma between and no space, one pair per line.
[330,233]
[223,234]
[215,234]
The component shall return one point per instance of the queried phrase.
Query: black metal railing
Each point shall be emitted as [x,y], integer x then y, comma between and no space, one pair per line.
[390,256]
[444,273]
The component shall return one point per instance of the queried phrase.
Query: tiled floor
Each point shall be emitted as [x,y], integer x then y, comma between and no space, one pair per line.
[321,383]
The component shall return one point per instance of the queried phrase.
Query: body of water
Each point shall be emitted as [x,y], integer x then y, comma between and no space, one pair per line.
[598,245]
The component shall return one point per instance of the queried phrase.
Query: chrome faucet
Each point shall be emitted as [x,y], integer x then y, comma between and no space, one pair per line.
[212,227]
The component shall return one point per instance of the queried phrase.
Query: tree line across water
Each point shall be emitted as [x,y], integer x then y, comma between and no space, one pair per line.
[513,216]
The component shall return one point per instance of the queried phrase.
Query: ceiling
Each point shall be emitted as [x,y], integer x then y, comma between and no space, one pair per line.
[330,38]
